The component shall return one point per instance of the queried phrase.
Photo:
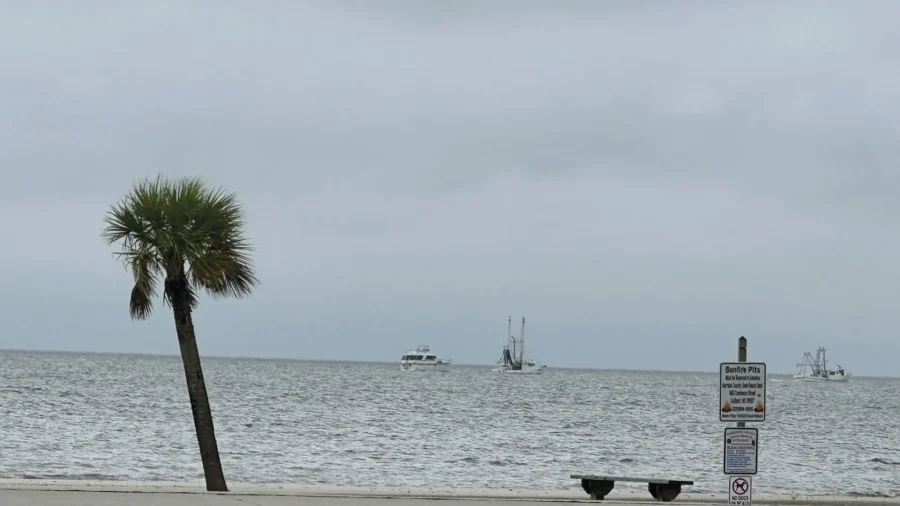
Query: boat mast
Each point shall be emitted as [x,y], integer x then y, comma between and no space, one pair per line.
[510,341]
[522,343]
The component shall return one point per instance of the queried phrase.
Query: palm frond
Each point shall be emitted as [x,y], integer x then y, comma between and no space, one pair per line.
[123,224]
[145,269]
[141,303]
[225,271]
[220,256]
[139,218]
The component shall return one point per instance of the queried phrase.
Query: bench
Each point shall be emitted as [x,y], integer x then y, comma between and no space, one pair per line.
[599,486]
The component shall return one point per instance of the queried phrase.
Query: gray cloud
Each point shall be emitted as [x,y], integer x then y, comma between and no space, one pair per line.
[631,176]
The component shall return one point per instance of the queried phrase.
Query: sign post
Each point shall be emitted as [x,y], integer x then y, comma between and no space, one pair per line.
[742,399]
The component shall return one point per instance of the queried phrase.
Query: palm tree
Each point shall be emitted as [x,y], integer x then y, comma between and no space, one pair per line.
[190,237]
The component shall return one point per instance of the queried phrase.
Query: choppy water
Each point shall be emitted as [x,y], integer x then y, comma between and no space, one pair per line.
[128,417]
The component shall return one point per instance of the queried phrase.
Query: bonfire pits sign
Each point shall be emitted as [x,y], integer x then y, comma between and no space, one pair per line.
[742,392]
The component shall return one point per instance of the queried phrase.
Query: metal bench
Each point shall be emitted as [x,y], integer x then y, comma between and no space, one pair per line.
[599,486]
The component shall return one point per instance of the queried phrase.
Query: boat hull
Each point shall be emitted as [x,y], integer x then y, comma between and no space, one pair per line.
[524,370]
[819,379]
[442,367]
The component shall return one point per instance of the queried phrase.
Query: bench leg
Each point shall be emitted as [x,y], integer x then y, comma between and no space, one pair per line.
[586,485]
[667,493]
[598,489]
[652,488]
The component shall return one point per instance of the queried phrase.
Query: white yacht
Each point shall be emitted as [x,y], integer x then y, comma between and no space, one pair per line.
[816,369]
[422,359]
[513,358]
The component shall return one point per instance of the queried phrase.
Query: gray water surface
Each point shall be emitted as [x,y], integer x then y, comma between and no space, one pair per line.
[85,416]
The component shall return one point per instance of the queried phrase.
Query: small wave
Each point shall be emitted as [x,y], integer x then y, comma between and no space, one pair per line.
[21,390]
[505,463]
[885,461]
[881,495]
[470,460]
[626,461]
[86,476]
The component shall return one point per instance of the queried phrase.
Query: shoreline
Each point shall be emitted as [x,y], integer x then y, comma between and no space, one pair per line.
[412,492]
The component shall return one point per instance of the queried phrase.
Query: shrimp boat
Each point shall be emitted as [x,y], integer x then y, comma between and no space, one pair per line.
[513,360]
[422,359]
[816,369]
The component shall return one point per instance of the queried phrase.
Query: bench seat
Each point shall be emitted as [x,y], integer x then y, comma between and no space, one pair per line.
[598,486]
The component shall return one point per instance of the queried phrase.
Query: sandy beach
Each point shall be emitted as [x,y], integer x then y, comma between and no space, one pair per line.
[71,492]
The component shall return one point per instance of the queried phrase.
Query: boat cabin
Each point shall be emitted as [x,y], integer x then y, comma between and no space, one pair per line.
[418,357]
[420,354]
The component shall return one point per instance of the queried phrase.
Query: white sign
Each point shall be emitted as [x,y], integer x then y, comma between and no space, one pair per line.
[741,446]
[742,392]
[739,490]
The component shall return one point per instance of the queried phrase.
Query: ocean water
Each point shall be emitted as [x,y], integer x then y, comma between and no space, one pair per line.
[87,416]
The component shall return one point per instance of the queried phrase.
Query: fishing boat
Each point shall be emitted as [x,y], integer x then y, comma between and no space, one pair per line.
[422,359]
[513,360]
[816,369]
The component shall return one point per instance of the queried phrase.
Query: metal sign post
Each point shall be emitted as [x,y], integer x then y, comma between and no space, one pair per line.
[742,399]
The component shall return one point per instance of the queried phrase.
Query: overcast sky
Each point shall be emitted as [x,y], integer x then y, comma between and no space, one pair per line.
[644,181]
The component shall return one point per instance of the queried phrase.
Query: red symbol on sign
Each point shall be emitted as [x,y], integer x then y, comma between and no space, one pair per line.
[740,486]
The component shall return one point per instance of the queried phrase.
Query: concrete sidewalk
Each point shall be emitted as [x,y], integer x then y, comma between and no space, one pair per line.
[81,498]
[54,492]
[12,497]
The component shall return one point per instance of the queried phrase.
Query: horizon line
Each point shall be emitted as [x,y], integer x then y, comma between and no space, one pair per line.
[282,359]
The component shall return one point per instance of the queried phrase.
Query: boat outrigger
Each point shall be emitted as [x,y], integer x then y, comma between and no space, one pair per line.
[513,360]
[816,369]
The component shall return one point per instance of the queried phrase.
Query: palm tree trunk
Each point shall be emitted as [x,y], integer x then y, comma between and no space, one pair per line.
[203,422]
